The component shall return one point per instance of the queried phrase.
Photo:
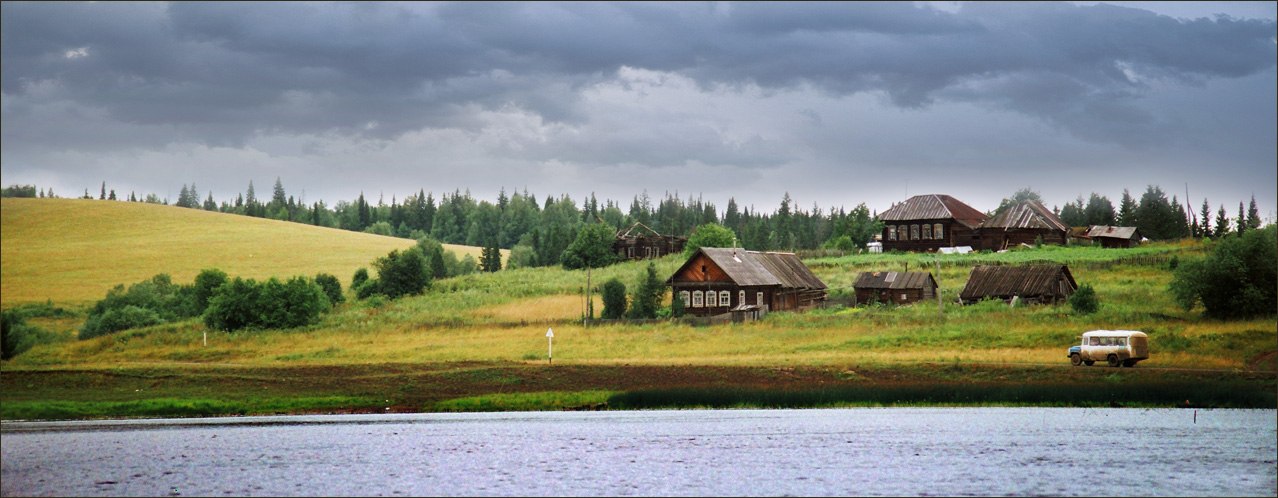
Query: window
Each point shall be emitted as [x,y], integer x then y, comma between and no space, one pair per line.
[927,232]
[914,232]
[938,231]
[712,299]
[758,298]
[905,232]
[687,298]
[740,298]
[891,232]
[697,300]
[725,298]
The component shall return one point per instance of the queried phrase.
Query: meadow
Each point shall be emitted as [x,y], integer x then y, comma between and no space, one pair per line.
[477,342]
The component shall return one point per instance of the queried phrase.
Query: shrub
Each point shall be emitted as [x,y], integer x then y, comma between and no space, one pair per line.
[402,273]
[709,235]
[361,276]
[15,335]
[272,304]
[158,296]
[202,289]
[1084,300]
[1237,279]
[614,299]
[592,248]
[647,298]
[331,287]
[117,319]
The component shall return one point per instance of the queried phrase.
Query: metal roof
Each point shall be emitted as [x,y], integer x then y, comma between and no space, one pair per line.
[753,268]
[1007,281]
[894,280]
[1113,232]
[934,207]
[1028,214]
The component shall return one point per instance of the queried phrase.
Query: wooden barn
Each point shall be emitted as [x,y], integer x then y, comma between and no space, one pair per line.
[894,287]
[1048,283]
[1023,223]
[925,223]
[1109,236]
[641,242]
[715,281]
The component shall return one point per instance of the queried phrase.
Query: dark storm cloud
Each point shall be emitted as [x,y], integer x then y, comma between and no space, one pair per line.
[223,67]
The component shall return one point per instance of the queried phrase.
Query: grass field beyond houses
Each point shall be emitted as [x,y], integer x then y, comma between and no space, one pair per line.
[478,342]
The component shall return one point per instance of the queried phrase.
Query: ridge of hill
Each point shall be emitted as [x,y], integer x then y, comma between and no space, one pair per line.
[73,251]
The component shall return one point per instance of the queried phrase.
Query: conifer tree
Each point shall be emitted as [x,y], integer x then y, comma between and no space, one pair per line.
[1205,214]
[1222,222]
[1253,214]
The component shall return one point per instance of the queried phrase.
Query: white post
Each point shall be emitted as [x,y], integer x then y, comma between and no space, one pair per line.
[550,345]
[206,338]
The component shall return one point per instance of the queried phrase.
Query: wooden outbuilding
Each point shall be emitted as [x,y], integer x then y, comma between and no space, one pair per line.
[642,242]
[715,281]
[925,223]
[1115,236]
[894,287]
[1026,222]
[1045,283]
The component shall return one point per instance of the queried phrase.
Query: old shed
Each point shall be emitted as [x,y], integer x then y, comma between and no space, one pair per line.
[1026,222]
[1042,283]
[716,280]
[894,287]
[1115,236]
[641,242]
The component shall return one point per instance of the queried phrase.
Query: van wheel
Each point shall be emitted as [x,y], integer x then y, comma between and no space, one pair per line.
[1113,360]
[1075,359]
[1088,362]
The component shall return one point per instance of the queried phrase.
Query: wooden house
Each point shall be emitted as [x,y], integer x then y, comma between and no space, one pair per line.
[715,281]
[1026,222]
[925,223]
[1115,236]
[894,287]
[1047,283]
[641,242]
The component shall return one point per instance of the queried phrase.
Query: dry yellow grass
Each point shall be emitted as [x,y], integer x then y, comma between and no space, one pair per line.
[72,251]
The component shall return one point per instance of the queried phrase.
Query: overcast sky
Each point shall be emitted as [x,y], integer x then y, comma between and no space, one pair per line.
[834,103]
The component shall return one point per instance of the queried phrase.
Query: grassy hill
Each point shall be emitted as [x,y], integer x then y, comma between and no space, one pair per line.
[71,251]
[478,342]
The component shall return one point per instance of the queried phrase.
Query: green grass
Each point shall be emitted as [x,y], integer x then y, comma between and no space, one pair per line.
[496,323]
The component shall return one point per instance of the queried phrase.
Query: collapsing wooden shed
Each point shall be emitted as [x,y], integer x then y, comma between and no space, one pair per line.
[1027,223]
[1046,283]
[894,287]
[642,242]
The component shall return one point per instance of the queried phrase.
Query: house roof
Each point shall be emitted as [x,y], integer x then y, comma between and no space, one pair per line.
[1027,214]
[1113,232]
[894,280]
[753,268]
[1007,281]
[934,207]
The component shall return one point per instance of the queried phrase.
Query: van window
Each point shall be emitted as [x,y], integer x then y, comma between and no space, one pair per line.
[1095,341]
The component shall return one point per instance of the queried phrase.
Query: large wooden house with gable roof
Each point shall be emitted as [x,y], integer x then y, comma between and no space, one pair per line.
[926,223]
[715,281]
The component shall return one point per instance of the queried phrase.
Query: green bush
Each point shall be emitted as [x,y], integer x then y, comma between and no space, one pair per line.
[117,319]
[16,336]
[272,304]
[647,298]
[1084,300]
[402,273]
[361,276]
[161,299]
[205,284]
[1237,279]
[614,299]
[331,286]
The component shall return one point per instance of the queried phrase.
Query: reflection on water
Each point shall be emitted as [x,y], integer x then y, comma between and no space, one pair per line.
[864,451]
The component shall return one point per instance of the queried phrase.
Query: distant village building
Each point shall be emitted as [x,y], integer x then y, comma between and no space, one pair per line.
[1027,222]
[716,281]
[1048,283]
[925,223]
[641,242]
[894,287]
[1115,236]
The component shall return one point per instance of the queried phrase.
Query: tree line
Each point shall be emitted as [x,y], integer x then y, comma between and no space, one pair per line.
[537,232]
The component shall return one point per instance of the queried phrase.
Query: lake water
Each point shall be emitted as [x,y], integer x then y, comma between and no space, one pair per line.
[863,451]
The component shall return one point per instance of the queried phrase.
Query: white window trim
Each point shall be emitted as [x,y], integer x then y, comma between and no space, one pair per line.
[698,299]
[725,298]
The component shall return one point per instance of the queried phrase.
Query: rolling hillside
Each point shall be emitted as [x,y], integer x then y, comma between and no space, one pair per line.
[72,250]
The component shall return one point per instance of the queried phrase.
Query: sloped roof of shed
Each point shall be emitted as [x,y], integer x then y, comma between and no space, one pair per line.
[894,280]
[1113,232]
[934,207]
[1027,280]
[1027,214]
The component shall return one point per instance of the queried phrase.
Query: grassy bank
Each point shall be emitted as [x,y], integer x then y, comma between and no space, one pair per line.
[477,343]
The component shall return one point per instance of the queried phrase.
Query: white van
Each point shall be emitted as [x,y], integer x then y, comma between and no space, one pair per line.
[1115,347]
